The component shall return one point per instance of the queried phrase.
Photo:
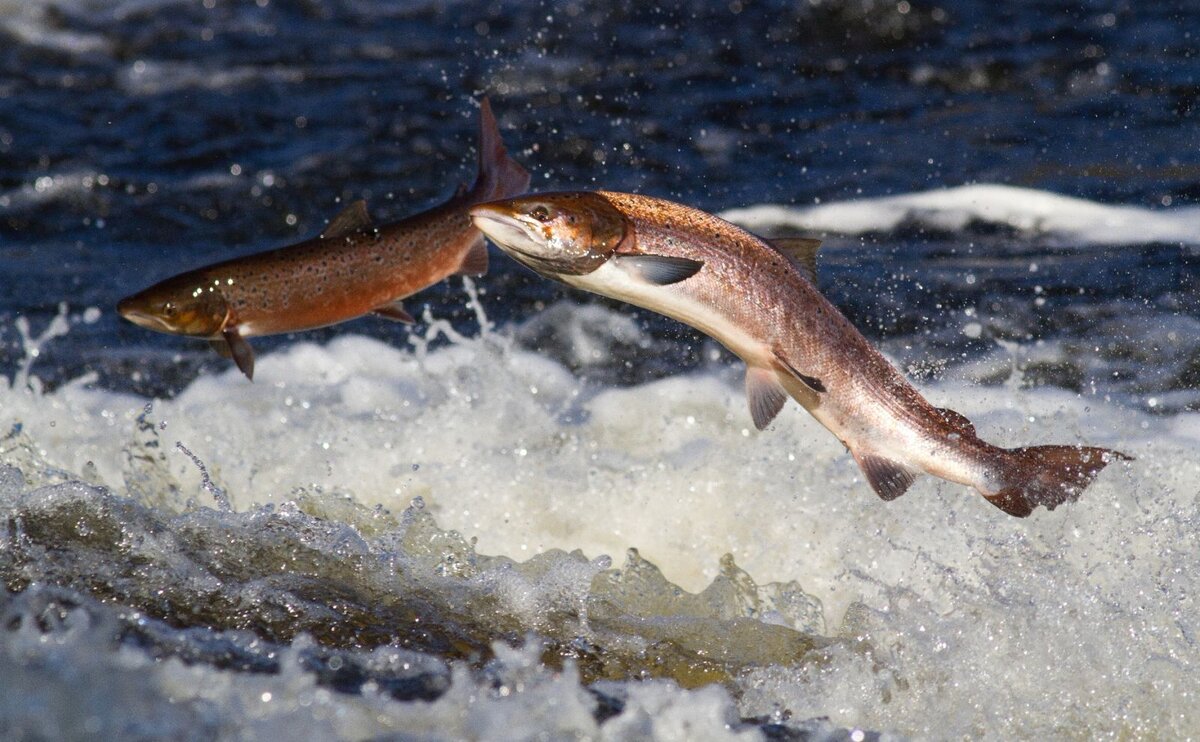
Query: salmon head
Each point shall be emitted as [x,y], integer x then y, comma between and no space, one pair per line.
[184,305]
[569,234]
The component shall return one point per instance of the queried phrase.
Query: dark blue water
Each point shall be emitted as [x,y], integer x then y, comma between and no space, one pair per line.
[139,139]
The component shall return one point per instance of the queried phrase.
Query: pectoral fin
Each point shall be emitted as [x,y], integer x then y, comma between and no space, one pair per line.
[660,270]
[243,354]
[394,311]
[222,348]
[811,382]
[765,395]
[475,262]
[888,478]
[353,218]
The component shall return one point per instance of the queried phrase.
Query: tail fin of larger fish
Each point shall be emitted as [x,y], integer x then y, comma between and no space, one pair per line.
[500,176]
[1047,475]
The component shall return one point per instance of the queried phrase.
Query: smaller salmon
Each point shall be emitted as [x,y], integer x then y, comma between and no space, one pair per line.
[351,269]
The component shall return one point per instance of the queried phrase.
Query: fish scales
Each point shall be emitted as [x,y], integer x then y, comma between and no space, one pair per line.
[754,298]
[760,290]
[353,268]
[327,278]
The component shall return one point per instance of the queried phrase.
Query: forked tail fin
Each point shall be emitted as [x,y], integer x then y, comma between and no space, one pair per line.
[500,176]
[1047,476]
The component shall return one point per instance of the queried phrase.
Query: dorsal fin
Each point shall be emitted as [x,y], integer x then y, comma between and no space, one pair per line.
[958,421]
[349,220]
[802,251]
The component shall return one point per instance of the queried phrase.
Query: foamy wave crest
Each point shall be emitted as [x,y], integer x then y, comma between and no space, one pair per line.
[33,24]
[150,77]
[1033,213]
[79,185]
[46,23]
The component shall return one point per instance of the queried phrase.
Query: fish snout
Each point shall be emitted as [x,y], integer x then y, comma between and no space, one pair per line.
[506,229]
[483,215]
[137,311]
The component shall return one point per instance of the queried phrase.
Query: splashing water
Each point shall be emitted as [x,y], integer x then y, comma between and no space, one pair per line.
[871,613]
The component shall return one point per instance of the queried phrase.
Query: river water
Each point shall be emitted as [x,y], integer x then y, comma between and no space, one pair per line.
[538,514]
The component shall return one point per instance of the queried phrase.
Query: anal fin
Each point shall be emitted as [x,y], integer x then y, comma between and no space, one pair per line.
[395,312]
[765,395]
[888,478]
[243,354]
[475,262]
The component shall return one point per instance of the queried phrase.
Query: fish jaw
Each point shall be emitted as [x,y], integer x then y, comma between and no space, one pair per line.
[508,230]
[139,313]
[189,304]
[555,233]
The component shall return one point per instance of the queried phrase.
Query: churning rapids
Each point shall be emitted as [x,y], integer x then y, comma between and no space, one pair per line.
[465,540]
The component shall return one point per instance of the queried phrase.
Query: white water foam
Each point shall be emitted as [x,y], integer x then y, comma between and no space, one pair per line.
[1033,213]
[1079,622]
[82,689]
[154,77]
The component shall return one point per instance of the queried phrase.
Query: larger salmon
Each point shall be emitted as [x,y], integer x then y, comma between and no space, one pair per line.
[353,268]
[759,299]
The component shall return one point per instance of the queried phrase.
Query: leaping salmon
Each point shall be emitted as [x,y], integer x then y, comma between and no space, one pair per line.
[351,269]
[759,299]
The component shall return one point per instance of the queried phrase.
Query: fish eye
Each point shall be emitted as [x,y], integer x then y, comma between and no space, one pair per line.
[541,213]
[169,308]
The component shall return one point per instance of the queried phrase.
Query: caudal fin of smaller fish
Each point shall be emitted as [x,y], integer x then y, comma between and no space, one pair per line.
[500,176]
[1047,476]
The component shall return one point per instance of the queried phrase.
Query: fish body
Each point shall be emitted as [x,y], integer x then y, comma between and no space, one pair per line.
[759,300]
[353,268]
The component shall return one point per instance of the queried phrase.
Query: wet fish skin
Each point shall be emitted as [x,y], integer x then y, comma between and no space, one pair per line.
[353,268]
[756,300]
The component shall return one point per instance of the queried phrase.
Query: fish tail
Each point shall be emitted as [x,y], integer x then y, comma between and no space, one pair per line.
[1046,475]
[500,176]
